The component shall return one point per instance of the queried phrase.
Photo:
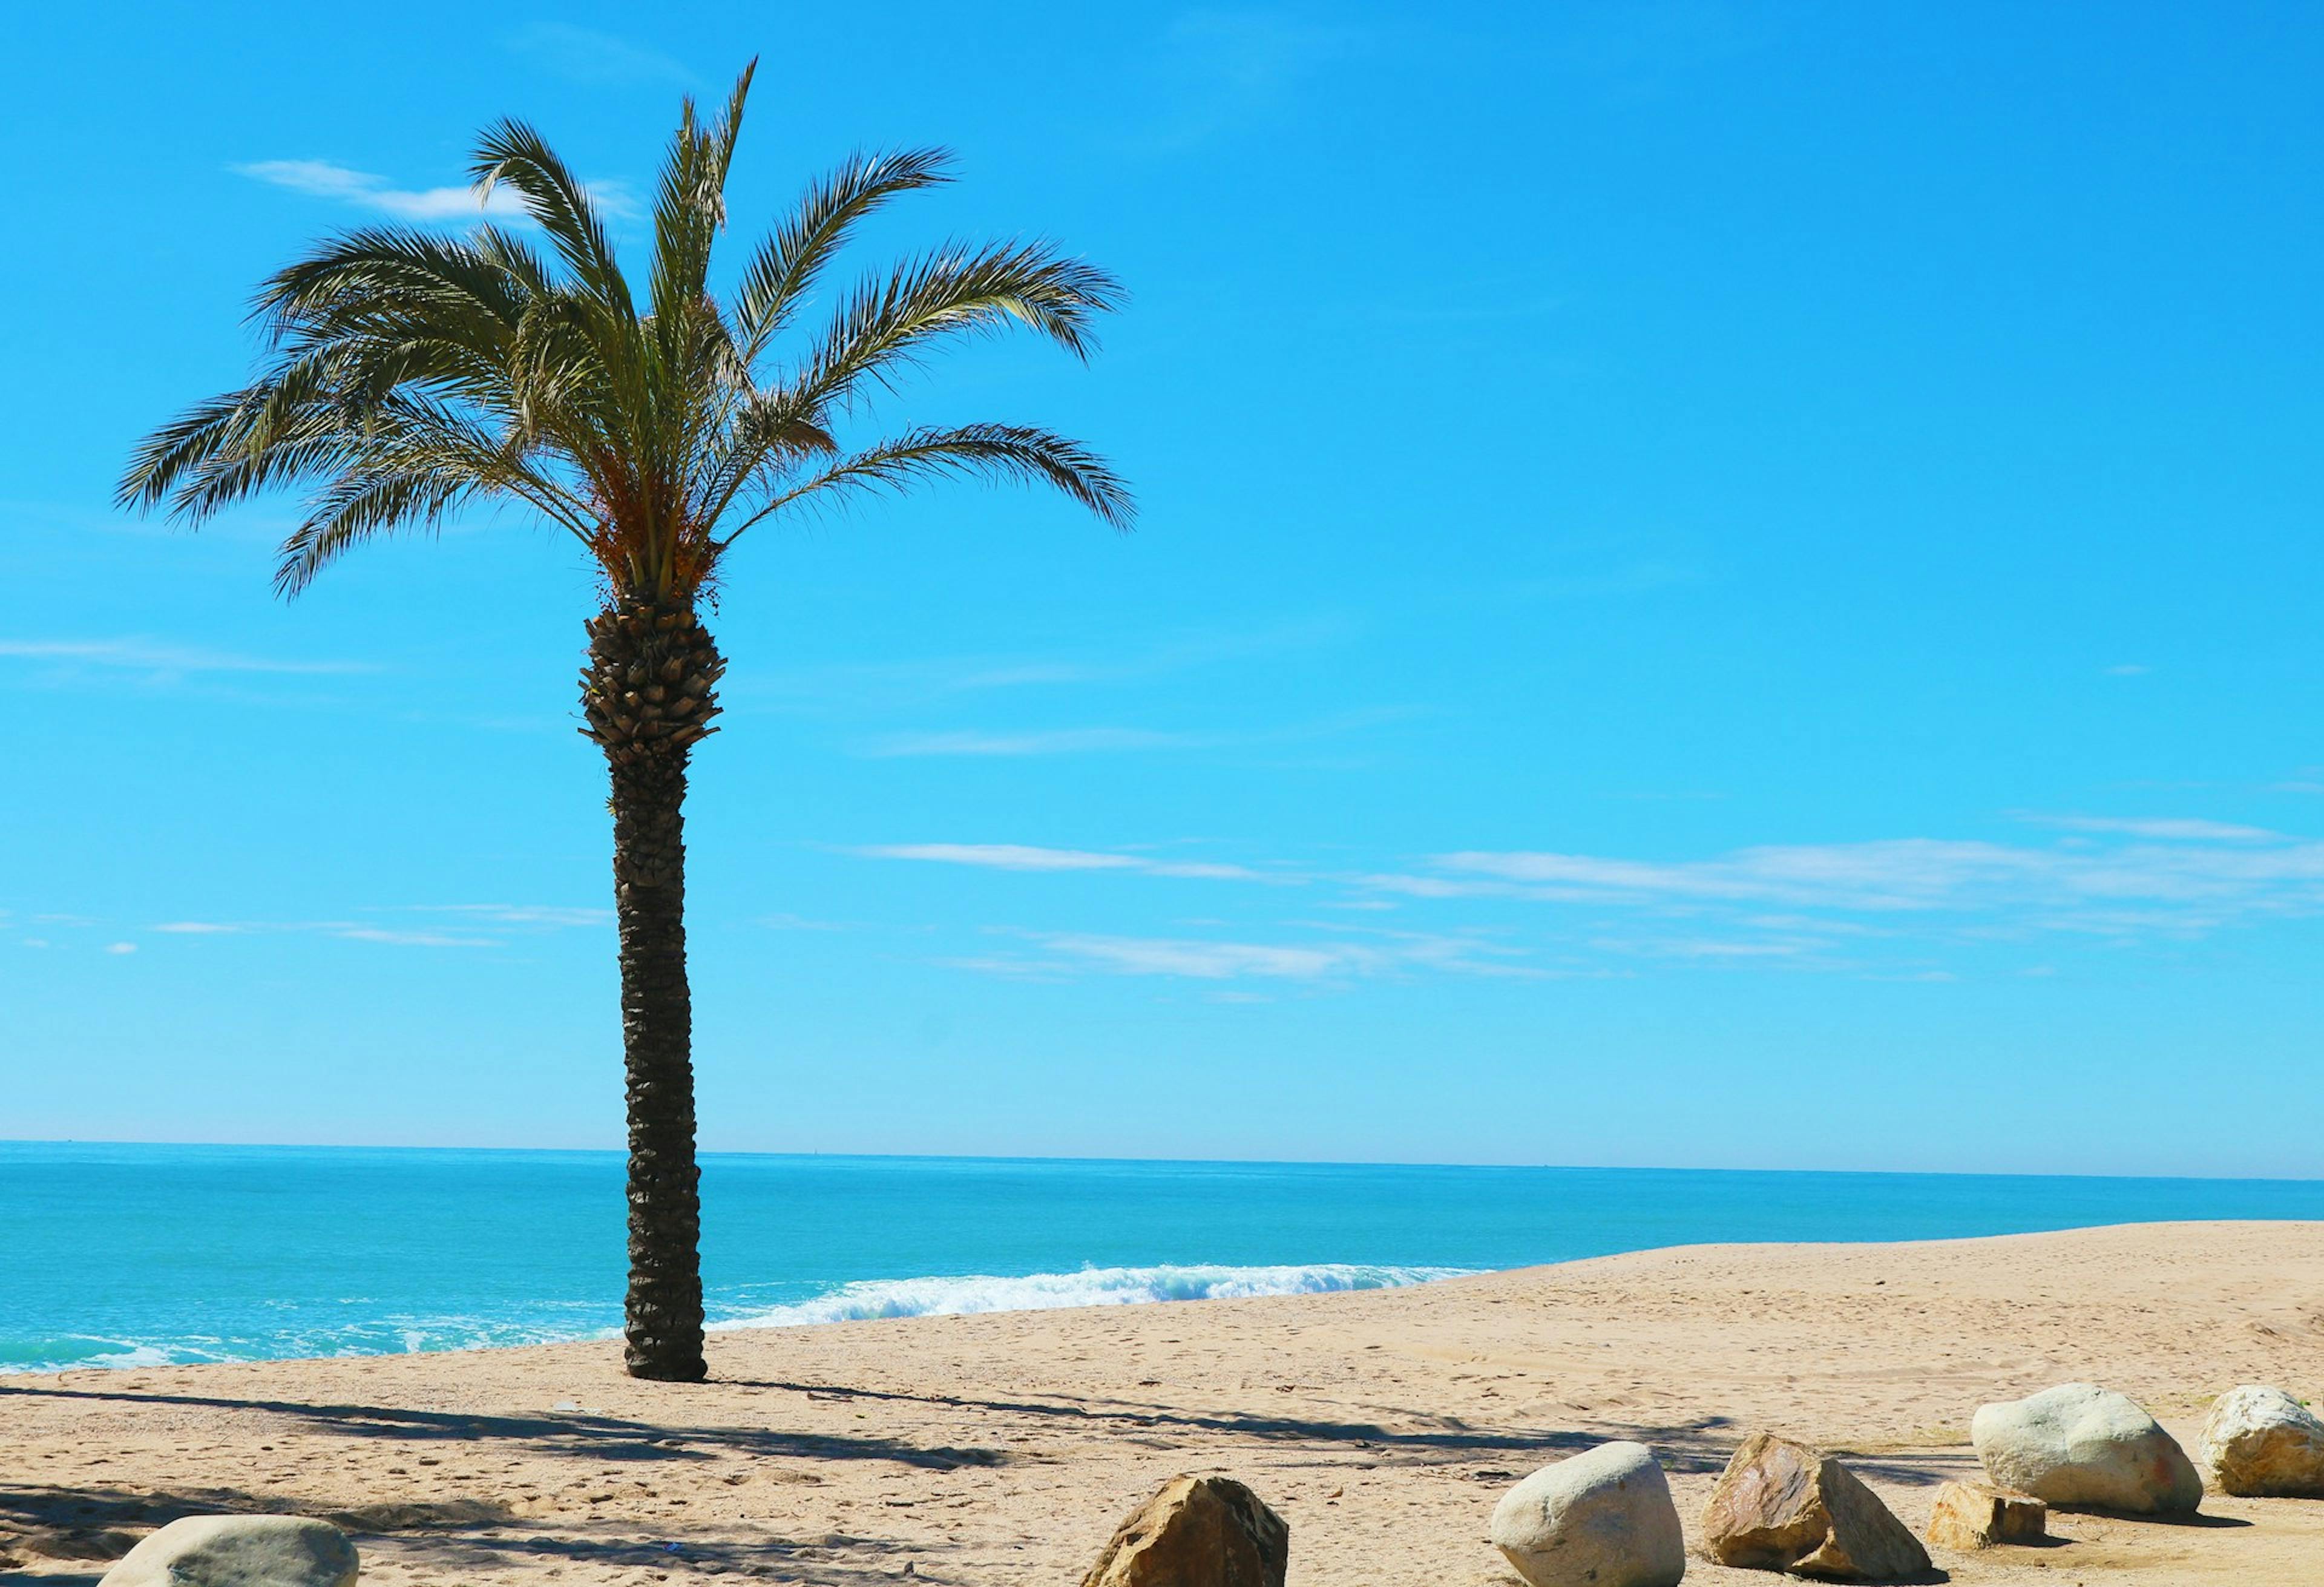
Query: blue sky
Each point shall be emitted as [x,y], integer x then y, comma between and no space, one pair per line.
[1721,585]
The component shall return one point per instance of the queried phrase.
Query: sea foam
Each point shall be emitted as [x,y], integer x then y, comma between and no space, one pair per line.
[1091,1286]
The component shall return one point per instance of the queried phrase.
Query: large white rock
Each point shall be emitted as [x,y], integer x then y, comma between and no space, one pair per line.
[2080,1445]
[1603,1518]
[239,1551]
[2262,1443]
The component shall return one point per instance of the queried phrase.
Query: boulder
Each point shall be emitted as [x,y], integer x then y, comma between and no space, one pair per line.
[2260,1443]
[1971,1516]
[1780,1506]
[1602,1518]
[2081,1445]
[1196,1532]
[239,1551]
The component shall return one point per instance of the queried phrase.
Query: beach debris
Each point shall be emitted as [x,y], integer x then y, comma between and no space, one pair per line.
[2082,1447]
[1781,1505]
[1969,1515]
[239,1551]
[1196,1532]
[2260,1443]
[1602,1518]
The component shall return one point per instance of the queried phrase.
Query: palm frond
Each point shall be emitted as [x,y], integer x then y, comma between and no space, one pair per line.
[766,433]
[511,152]
[1000,452]
[362,506]
[891,322]
[786,265]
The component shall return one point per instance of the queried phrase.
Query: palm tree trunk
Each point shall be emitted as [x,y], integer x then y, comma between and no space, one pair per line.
[647,693]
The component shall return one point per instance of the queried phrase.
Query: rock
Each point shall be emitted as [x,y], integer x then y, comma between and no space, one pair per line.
[1971,1516]
[239,1551]
[2080,1445]
[1602,1518]
[1780,1506]
[2260,1443]
[1196,1532]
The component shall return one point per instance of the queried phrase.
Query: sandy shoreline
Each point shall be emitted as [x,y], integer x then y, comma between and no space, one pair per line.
[1382,1424]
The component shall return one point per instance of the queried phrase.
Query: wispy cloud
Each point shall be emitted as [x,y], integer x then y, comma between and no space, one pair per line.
[454,925]
[322,179]
[1001,856]
[1009,856]
[2169,829]
[345,931]
[546,915]
[396,937]
[1207,959]
[1895,909]
[586,55]
[2121,878]
[161,660]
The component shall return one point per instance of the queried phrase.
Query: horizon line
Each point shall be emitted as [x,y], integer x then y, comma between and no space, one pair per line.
[1190,1162]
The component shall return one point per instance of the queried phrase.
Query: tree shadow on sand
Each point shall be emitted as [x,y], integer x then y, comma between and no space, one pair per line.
[580,1435]
[448,1540]
[1702,1444]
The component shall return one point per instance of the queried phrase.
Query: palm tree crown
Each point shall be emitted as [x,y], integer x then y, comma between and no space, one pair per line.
[412,373]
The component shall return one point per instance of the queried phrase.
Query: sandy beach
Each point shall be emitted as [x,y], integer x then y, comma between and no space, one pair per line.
[1382,1425]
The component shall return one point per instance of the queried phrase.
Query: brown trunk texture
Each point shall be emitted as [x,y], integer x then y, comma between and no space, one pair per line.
[648,693]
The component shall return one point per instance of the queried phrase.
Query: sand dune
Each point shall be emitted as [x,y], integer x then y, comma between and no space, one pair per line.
[1002,1448]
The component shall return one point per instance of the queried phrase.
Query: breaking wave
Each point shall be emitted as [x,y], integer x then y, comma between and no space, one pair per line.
[1092,1287]
[743,1306]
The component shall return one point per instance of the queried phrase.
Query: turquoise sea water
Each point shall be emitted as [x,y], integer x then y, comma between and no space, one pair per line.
[139,1255]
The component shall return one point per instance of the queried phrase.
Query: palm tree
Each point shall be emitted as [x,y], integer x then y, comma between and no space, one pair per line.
[409,375]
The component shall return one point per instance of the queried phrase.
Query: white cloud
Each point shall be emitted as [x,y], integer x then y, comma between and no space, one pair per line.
[2116,877]
[1208,959]
[1001,856]
[322,178]
[550,914]
[412,939]
[466,926]
[2169,830]
[121,947]
[1009,856]
[1891,907]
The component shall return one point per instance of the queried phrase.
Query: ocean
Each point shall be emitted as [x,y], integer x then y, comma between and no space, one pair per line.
[114,1255]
